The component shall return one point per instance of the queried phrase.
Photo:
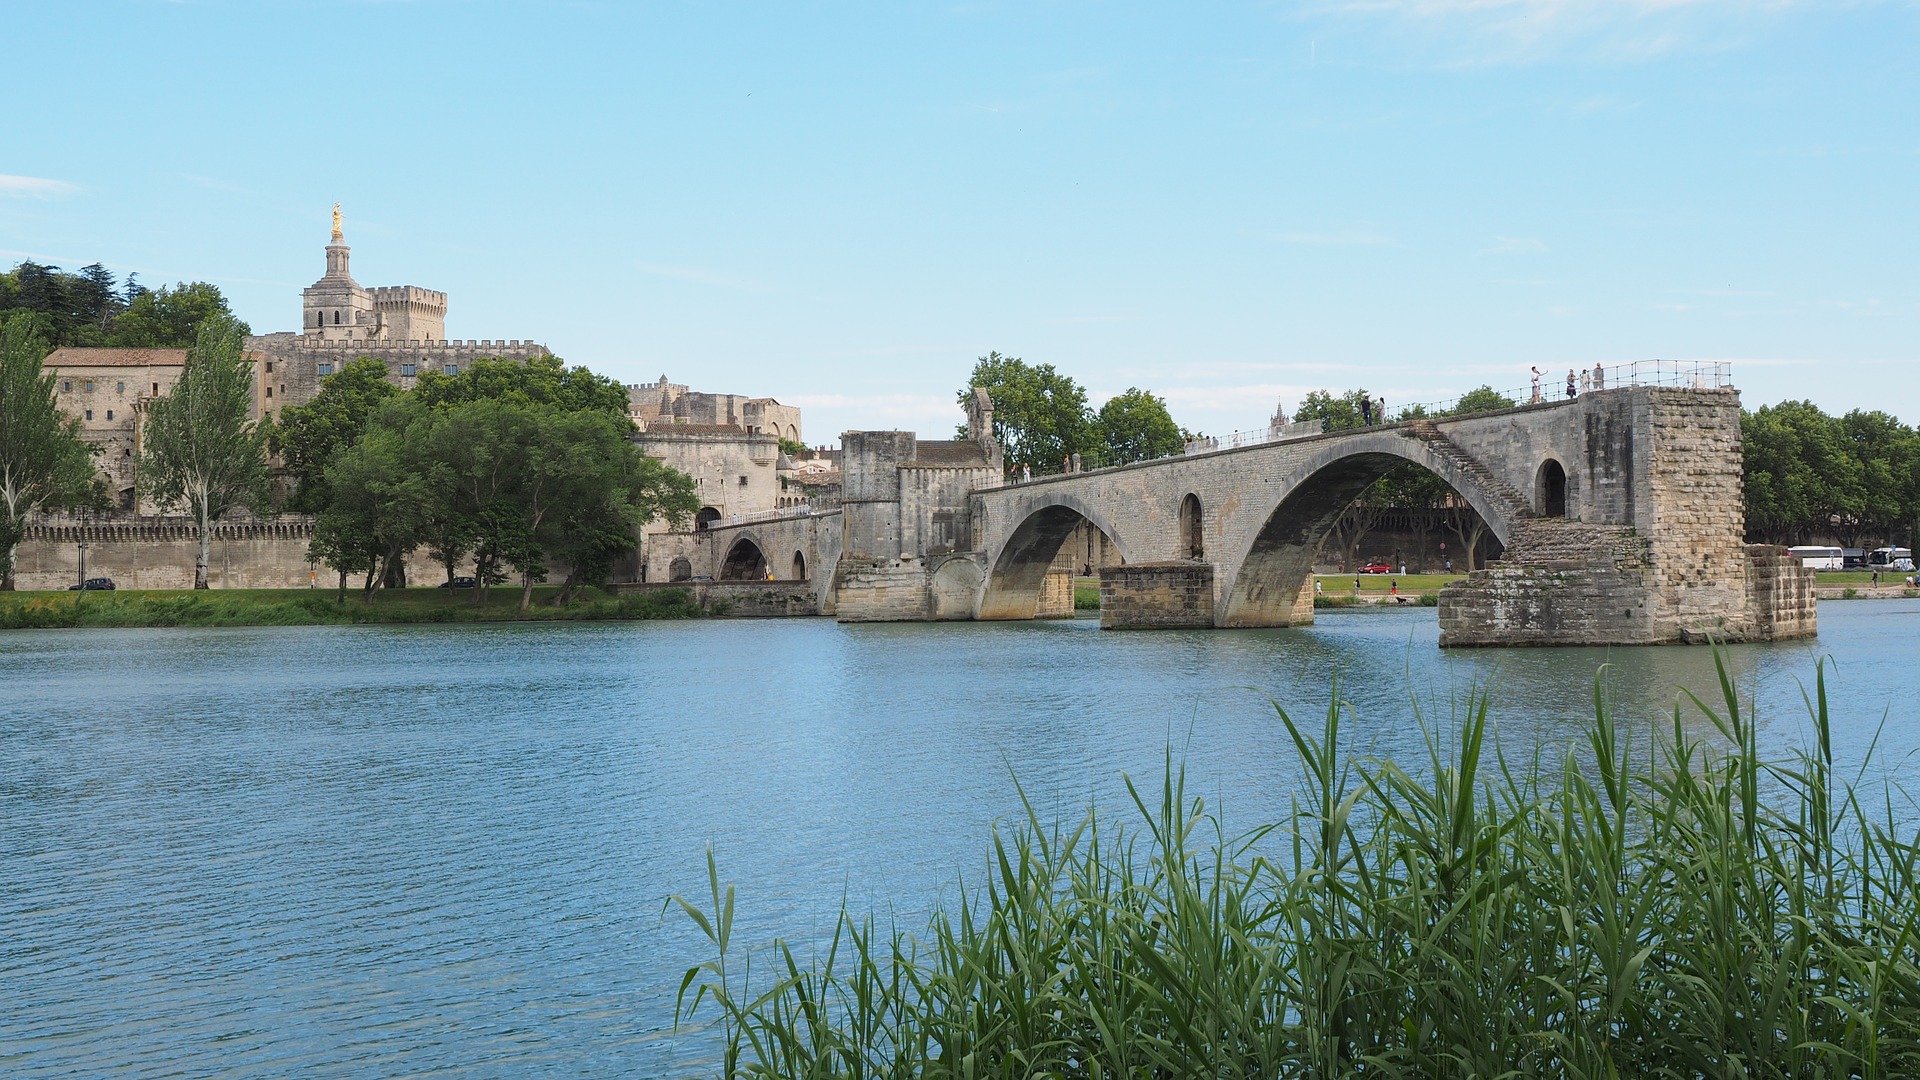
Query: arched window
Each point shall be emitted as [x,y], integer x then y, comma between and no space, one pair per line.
[1550,490]
[336,318]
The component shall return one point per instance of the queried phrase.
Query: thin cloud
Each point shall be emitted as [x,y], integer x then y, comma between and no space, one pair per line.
[1480,32]
[33,187]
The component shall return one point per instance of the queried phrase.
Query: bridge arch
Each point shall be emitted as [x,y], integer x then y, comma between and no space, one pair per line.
[799,565]
[1018,569]
[1273,571]
[745,561]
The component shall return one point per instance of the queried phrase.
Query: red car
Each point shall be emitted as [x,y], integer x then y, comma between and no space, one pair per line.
[1376,568]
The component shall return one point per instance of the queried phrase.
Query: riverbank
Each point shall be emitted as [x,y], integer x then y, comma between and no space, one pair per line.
[320,607]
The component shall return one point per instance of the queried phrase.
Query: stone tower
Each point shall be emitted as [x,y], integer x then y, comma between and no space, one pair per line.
[337,308]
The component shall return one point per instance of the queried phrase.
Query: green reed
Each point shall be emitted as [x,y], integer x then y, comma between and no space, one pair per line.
[1683,908]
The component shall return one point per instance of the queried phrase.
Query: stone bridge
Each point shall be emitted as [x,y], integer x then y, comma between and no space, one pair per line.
[1621,514]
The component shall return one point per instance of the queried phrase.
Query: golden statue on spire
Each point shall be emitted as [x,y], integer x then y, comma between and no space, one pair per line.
[336,223]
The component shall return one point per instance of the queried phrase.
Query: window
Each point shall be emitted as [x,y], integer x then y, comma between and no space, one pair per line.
[743,481]
[269,367]
[120,388]
[323,369]
[156,389]
[407,371]
[87,386]
[66,385]
[452,369]
[109,414]
[89,414]
[336,318]
[269,397]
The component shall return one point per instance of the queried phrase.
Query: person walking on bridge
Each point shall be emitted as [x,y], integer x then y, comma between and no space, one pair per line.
[1535,399]
[1366,409]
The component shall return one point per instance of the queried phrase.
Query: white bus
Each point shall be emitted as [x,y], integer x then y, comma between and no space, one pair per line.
[1819,558]
[1890,558]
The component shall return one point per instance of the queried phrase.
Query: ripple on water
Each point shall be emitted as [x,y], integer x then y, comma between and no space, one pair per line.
[385,850]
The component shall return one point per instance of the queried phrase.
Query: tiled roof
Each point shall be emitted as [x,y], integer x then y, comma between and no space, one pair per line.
[948,452]
[73,357]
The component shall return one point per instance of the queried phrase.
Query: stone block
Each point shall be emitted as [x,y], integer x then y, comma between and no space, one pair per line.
[1156,596]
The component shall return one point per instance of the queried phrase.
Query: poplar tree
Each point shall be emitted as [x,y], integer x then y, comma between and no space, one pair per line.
[43,463]
[202,451]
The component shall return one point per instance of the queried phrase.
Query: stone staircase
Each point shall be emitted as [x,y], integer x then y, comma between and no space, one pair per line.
[1558,544]
[1516,506]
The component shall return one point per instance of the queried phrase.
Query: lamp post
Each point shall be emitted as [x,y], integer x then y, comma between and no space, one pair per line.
[80,544]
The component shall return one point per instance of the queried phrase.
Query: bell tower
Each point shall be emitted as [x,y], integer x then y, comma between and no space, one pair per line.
[336,307]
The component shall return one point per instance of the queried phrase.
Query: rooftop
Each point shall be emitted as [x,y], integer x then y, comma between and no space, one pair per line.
[73,356]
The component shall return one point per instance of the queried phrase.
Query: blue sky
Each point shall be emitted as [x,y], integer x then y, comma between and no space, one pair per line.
[842,205]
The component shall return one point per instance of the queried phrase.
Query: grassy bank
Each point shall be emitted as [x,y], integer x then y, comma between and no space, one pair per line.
[1628,910]
[311,607]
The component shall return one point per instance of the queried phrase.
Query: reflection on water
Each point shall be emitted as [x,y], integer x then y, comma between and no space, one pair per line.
[381,850]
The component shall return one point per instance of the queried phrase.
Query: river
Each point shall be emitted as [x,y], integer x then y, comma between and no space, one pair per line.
[387,850]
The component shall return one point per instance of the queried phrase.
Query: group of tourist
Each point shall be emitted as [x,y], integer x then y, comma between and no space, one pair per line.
[1577,383]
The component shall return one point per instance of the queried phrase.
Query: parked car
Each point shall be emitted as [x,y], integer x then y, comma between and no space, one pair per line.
[1376,568]
[93,584]
[459,583]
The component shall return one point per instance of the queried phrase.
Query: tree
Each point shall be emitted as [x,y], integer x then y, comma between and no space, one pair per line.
[540,380]
[1135,426]
[1483,398]
[171,318]
[201,450]
[309,437]
[1040,417]
[606,491]
[381,496]
[43,463]
[1335,413]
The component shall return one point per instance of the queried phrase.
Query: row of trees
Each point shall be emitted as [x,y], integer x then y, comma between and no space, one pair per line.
[1811,477]
[1042,418]
[90,308]
[514,465]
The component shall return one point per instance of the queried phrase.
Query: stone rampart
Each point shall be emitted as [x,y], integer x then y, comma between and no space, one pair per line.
[160,554]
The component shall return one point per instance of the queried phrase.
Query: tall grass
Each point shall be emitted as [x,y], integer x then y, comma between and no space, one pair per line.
[1680,909]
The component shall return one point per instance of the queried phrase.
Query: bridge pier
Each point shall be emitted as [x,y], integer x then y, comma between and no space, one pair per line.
[1156,596]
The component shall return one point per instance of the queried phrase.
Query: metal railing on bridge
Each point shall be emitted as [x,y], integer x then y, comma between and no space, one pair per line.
[1548,390]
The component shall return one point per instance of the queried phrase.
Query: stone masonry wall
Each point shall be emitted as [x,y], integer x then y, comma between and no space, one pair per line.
[160,556]
[1156,596]
[1694,511]
[1780,603]
[874,591]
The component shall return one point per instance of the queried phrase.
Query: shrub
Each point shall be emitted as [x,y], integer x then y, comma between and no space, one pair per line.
[1621,911]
